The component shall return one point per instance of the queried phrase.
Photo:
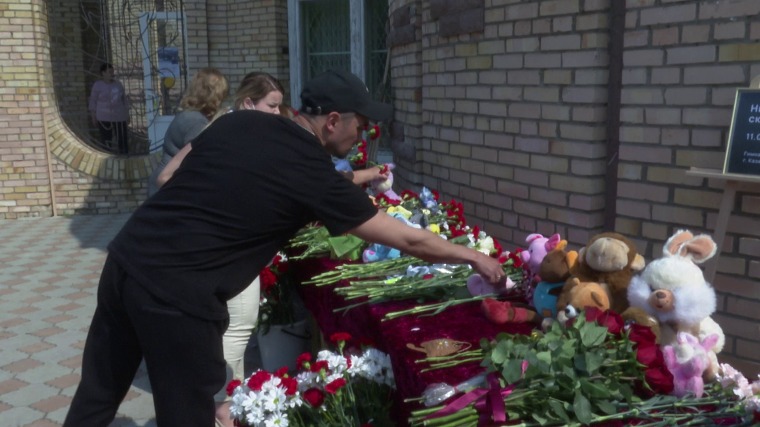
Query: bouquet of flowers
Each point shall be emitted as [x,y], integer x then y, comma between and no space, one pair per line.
[276,305]
[336,389]
[593,370]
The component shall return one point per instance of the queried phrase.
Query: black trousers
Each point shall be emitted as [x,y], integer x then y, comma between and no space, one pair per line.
[183,355]
[115,130]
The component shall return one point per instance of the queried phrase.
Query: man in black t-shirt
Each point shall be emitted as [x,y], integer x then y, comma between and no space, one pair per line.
[250,183]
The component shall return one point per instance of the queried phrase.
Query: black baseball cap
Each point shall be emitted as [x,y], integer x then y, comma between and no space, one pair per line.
[342,92]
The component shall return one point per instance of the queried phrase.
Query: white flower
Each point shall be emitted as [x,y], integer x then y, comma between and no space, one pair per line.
[752,404]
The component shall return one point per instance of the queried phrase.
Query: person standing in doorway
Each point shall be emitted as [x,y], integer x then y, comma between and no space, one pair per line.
[109,109]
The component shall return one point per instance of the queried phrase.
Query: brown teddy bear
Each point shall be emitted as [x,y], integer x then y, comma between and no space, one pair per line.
[557,264]
[577,295]
[554,271]
[612,259]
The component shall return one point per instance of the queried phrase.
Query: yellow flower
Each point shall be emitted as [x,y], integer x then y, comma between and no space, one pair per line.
[435,228]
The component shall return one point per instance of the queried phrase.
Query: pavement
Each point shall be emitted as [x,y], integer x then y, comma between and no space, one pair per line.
[49,271]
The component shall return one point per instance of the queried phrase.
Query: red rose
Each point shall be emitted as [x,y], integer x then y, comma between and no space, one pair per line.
[290,385]
[258,379]
[611,320]
[314,397]
[659,379]
[232,385]
[334,386]
[641,334]
[646,354]
[340,336]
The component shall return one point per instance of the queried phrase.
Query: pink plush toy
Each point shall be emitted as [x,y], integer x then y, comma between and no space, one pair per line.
[538,247]
[687,360]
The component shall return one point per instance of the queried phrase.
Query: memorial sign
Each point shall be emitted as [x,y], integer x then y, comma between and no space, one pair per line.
[743,149]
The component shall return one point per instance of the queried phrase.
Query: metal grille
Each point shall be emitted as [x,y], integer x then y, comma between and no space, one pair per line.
[326,36]
[377,26]
[87,33]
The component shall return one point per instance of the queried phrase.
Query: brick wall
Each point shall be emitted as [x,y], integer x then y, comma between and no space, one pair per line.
[247,36]
[37,146]
[515,118]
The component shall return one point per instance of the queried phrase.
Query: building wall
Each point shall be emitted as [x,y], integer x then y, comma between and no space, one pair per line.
[517,101]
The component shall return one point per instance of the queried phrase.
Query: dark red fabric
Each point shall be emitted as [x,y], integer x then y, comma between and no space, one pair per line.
[464,322]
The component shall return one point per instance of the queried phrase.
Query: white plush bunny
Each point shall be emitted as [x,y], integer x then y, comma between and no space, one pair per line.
[673,290]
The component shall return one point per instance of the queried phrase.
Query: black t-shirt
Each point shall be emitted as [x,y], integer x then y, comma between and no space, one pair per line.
[250,183]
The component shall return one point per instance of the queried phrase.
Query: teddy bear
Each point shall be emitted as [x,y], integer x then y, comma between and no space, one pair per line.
[612,259]
[554,271]
[538,247]
[385,186]
[672,289]
[687,360]
[577,295]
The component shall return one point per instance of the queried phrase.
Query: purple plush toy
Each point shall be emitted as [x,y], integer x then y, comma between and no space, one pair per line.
[538,247]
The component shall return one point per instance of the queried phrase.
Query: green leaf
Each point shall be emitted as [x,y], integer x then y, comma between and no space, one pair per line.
[512,371]
[582,408]
[606,407]
[593,335]
[593,362]
[593,390]
[544,357]
[558,408]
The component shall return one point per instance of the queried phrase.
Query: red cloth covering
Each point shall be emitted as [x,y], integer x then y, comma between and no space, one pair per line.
[463,322]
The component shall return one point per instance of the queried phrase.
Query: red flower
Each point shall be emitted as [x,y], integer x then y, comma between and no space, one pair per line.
[340,336]
[319,365]
[609,319]
[641,334]
[258,379]
[232,385]
[314,397]
[268,279]
[659,379]
[335,385]
[497,249]
[436,194]
[303,359]
[428,276]
[290,385]
[476,231]
[456,232]
[374,132]
[646,354]
[281,372]
[408,194]
[387,201]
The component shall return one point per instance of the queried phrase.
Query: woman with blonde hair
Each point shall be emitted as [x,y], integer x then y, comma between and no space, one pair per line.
[200,103]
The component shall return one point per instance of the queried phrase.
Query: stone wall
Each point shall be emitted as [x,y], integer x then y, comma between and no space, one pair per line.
[580,116]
